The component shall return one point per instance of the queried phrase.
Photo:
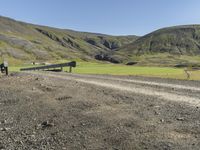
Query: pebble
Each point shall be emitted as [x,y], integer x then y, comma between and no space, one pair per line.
[180,119]
[83,124]
[162,120]
[157,106]
[156,113]
[46,124]
[4,129]
[3,122]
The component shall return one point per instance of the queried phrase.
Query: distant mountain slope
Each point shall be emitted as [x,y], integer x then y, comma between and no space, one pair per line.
[179,40]
[168,46]
[25,41]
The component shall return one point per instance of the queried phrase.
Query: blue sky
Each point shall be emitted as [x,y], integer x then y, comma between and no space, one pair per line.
[116,17]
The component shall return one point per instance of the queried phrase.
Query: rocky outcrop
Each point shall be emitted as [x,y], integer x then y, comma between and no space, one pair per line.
[71,42]
[65,41]
[131,63]
[49,35]
[102,42]
[106,57]
[111,44]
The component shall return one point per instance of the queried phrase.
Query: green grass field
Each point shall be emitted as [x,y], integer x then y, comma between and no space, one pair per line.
[112,69]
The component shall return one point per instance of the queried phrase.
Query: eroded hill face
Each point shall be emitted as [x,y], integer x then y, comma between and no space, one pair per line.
[29,42]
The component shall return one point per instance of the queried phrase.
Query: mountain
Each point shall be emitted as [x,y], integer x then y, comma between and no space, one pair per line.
[171,46]
[24,41]
[174,40]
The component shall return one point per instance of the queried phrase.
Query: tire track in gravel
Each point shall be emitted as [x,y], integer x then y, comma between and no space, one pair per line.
[151,83]
[100,81]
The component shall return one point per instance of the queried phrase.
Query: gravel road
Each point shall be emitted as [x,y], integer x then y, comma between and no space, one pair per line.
[45,110]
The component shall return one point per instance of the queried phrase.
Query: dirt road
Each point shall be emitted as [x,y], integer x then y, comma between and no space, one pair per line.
[149,88]
[42,110]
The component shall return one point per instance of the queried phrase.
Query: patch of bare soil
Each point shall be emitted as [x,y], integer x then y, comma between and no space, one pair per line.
[67,112]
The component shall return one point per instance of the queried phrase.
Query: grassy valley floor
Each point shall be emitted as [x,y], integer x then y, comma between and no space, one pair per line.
[113,69]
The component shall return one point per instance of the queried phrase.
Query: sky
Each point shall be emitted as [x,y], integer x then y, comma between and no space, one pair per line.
[114,17]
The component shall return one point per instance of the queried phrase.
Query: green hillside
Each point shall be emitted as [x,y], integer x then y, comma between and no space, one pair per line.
[180,44]
[22,41]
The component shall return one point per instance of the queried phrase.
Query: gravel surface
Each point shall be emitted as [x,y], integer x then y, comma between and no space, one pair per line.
[43,110]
